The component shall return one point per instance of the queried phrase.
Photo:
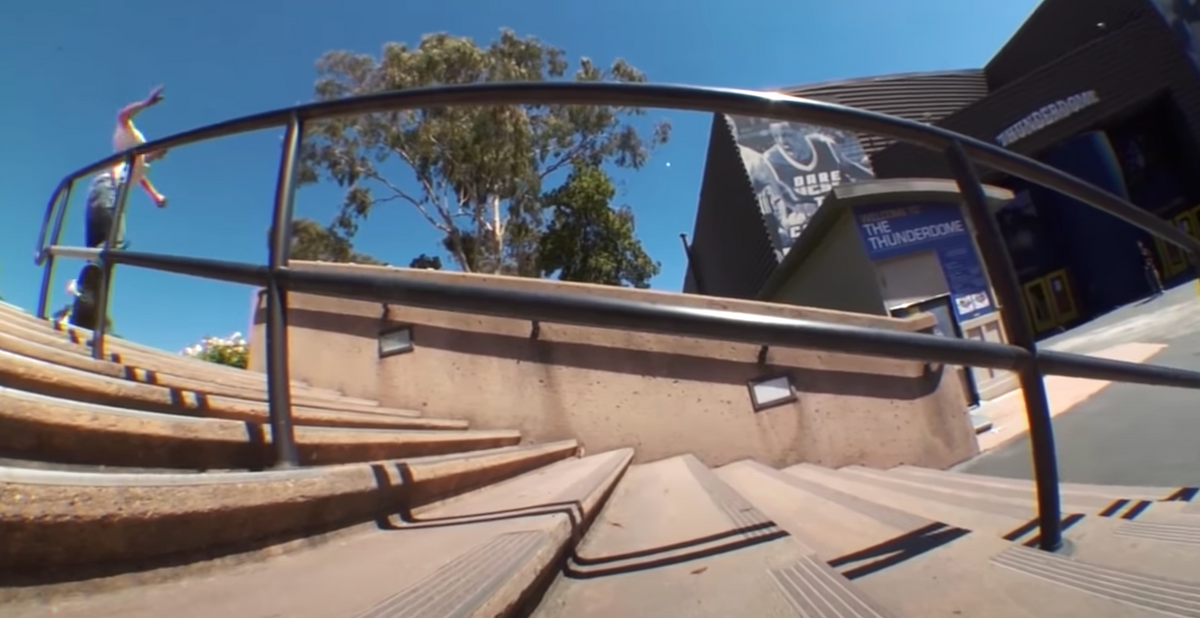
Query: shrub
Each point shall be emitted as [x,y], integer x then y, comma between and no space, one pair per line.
[232,351]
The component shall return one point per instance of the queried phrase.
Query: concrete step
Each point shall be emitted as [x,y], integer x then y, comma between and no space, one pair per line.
[1075,502]
[478,555]
[80,362]
[1091,539]
[912,565]
[66,526]
[37,376]
[42,428]
[1107,491]
[674,540]
[75,340]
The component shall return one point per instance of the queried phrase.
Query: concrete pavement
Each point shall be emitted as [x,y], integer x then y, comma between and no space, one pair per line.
[1124,434]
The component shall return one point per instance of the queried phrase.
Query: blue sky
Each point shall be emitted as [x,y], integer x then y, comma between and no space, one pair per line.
[67,68]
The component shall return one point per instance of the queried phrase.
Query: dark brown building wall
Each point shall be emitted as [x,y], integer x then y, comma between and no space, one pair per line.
[1056,28]
[1128,67]
[923,97]
[731,248]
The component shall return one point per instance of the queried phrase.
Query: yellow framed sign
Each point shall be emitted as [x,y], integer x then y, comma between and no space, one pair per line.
[1037,297]
[1062,297]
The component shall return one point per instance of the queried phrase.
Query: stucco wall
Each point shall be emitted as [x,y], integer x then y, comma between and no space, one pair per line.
[836,275]
[663,395]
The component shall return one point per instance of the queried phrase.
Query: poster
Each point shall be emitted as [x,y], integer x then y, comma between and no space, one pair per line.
[891,230]
[792,167]
[1183,17]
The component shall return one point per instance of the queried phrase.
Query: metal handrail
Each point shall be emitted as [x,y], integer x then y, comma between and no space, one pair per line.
[1021,355]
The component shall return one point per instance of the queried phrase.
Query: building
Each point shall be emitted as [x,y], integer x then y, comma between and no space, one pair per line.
[1107,90]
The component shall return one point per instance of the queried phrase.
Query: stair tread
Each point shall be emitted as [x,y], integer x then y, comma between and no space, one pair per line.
[1112,491]
[956,563]
[17,322]
[46,378]
[1162,510]
[676,541]
[433,566]
[170,379]
[1093,539]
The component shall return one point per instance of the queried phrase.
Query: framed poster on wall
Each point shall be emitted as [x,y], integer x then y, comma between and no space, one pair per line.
[1037,297]
[1063,300]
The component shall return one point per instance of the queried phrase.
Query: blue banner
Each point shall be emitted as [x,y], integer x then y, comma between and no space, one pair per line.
[890,231]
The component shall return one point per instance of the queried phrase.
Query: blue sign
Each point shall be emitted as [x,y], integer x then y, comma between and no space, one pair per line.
[894,230]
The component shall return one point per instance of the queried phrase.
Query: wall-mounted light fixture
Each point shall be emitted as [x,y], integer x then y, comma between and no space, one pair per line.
[771,392]
[395,340]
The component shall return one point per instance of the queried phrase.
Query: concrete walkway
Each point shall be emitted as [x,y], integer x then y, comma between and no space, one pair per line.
[1121,434]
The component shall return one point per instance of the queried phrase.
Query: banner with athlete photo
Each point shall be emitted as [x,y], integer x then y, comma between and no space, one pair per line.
[1183,17]
[792,167]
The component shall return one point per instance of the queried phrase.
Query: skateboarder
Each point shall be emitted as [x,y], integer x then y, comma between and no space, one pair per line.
[102,194]
[102,206]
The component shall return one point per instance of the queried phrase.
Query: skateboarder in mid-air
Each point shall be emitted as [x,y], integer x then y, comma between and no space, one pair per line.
[102,206]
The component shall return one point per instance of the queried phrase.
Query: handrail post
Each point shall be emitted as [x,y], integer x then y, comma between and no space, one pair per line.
[278,374]
[104,285]
[1015,318]
[61,196]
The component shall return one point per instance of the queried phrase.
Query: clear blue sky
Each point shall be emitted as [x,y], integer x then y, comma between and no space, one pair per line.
[67,67]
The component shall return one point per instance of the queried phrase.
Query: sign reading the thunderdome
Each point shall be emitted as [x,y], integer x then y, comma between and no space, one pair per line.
[1046,116]
[792,167]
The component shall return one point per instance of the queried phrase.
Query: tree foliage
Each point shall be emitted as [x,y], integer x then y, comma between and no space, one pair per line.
[426,261]
[590,241]
[479,172]
[315,242]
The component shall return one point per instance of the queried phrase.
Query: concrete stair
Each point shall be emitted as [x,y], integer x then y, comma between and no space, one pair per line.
[129,497]
[17,322]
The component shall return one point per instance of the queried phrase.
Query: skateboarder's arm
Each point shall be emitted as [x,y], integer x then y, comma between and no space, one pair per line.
[152,192]
[129,111]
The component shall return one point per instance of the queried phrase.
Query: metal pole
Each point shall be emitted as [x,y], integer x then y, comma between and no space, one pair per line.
[106,267]
[63,197]
[278,378]
[1015,318]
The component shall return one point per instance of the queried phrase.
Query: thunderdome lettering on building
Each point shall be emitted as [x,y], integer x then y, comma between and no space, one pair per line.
[1046,116]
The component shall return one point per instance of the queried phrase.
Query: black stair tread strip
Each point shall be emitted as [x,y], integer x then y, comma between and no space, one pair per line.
[1137,509]
[1112,509]
[1067,522]
[883,513]
[458,588]
[1149,592]
[1020,531]
[815,590]
[1183,494]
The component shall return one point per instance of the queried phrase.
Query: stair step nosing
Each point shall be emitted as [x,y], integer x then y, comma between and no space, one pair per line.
[482,570]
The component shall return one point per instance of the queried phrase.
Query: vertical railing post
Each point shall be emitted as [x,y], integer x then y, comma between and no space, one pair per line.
[1015,317]
[104,284]
[57,209]
[278,374]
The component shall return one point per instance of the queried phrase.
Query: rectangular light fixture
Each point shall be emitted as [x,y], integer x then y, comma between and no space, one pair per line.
[395,340]
[771,392]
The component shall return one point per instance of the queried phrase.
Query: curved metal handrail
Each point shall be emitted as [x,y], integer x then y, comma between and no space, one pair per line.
[1021,355]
